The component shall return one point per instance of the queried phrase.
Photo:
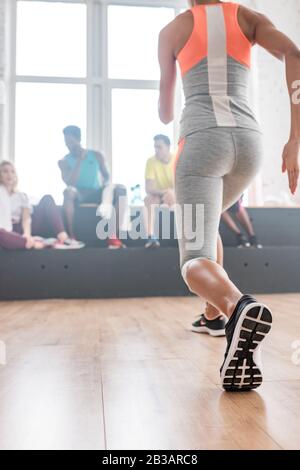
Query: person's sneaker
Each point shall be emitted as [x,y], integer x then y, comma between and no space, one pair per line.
[68,244]
[248,326]
[152,243]
[45,242]
[241,241]
[214,327]
[254,243]
[114,243]
[49,242]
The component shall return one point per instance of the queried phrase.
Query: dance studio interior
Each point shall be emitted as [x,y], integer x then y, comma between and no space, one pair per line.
[112,325]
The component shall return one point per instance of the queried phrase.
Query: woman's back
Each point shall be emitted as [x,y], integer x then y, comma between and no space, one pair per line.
[215,63]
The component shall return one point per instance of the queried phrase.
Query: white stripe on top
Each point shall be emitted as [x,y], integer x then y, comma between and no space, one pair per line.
[217,65]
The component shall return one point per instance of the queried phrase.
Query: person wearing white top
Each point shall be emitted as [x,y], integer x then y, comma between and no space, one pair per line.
[26,225]
[5,213]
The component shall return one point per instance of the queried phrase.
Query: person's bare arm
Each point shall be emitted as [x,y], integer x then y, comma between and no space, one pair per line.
[279,45]
[26,222]
[103,167]
[167,62]
[69,176]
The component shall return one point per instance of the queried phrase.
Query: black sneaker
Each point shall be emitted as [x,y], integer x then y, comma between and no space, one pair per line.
[214,327]
[250,323]
[254,243]
[152,243]
[241,241]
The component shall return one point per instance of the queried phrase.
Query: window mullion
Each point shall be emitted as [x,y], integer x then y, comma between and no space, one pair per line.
[41,79]
[106,89]
[10,80]
[146,3]
[90,74]
[95,73]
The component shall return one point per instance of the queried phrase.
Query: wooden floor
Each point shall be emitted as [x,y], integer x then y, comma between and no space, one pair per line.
[128,374]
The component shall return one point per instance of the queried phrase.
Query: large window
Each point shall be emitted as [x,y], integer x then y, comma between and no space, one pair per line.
[132,55]
[92,63]
[133,39]
[134,123]
[43,110]
[51,39]
[51,70]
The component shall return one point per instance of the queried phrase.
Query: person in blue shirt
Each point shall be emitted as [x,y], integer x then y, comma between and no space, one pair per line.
[86,175]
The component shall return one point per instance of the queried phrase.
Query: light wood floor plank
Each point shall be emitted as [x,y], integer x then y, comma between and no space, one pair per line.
[129,374]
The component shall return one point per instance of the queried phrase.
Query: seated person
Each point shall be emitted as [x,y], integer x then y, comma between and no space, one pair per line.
[8,239]
[241,214]
[86,176]
[159,176]
[27,223]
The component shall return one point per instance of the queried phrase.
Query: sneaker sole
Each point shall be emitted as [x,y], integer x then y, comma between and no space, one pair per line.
[111,247]
[240,372]
[68,247]
[205,330]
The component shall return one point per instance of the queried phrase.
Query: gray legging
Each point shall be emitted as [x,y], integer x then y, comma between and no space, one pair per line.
[214,167]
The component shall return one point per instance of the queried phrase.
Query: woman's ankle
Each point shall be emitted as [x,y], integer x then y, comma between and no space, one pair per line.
[231,306]
[211,313]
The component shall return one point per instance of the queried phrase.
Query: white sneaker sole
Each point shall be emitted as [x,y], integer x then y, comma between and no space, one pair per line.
[241,370]
[111,247]
[68,247]
[205,330]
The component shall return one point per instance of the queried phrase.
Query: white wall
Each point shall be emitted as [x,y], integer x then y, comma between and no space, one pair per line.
[274,111]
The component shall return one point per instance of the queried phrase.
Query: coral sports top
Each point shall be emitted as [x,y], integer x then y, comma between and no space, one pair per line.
[215,65]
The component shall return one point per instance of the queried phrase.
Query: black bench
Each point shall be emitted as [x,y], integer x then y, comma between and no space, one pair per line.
[96,272]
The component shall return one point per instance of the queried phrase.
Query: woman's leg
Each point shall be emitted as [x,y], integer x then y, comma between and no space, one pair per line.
[212,312]
[225,180]
[47,220]
[12,240]
[245,220]
[203,274]
[200,269]
[120,203]
[70,199]
[151,204]
[209,280]
[230,222]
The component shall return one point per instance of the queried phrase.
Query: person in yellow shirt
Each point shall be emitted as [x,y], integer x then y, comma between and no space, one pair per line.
[159,183]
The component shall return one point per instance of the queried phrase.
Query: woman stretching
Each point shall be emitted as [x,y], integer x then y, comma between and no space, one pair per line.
[220,152]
